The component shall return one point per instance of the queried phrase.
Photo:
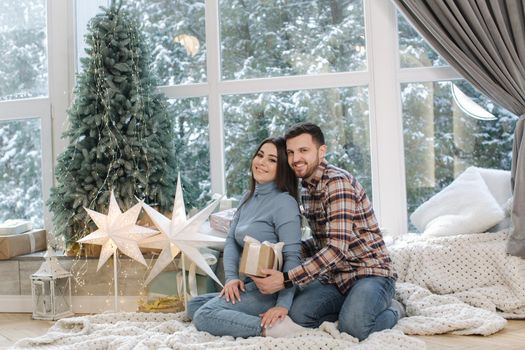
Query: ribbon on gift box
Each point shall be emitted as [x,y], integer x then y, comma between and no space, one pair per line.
[192,276]
[254,248]
[32,243]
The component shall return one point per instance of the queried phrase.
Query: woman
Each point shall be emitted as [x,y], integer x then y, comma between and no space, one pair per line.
[268,212]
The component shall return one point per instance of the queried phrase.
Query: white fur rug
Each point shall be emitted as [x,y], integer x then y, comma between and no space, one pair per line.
[141,331]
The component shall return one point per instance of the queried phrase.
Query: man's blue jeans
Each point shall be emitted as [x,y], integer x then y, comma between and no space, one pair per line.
[363,310]
[217,316]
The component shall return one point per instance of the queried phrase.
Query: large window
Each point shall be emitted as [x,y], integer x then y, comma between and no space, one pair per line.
[442,138]
[23,91]
[237,71]
[341,113]
[192,153]
[413,50]
[279,38]
[258,40]
[447,124]
[23,68]
[176,33]
[21,171]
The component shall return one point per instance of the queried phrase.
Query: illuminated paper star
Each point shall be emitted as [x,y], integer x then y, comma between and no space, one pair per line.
[118,230]
[180,234]
[162,240]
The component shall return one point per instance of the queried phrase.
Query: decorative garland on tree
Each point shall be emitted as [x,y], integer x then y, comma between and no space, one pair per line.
[121,134]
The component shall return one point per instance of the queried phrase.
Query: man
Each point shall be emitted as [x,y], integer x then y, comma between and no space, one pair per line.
[347,274]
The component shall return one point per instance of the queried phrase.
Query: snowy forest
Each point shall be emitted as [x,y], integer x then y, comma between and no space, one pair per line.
[258,39]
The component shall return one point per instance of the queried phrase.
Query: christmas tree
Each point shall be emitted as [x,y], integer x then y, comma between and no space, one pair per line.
[121,133]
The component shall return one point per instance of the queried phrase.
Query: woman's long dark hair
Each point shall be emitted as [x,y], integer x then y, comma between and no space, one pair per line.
[285,178]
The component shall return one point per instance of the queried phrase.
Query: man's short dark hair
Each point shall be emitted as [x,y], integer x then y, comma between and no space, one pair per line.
[306,128]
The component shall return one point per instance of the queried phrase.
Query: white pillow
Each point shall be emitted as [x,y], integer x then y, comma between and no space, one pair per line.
[498,182]
[464,206]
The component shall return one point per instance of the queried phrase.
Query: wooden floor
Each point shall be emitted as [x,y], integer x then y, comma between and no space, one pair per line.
[18,326]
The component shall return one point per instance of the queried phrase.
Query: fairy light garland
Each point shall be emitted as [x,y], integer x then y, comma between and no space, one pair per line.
[114,148]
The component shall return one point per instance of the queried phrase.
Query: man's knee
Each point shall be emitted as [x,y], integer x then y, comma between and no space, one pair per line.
[310,318]
[315,304]
[354,327]
[304,318]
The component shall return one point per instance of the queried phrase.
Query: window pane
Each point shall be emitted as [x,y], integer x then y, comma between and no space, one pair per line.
[176,34]
[278,38]
[441,140]
[84,11]
[21,171]
[23,67]
[192,148]
[341,113]
[413,49]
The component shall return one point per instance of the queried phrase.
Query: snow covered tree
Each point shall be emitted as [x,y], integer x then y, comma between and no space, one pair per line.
[121,133]
[163,24]
[20,171]
[23,69]
[23,74]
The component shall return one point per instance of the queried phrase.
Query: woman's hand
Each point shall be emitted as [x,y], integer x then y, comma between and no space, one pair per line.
[231,290]
[273,315]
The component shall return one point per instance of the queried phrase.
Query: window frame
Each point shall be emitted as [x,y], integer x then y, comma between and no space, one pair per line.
[51,110]
[38,108]
[383,77]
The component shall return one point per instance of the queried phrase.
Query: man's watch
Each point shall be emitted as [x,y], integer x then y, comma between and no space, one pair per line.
[287,282]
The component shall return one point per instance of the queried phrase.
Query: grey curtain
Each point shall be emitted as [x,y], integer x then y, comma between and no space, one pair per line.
[484,40]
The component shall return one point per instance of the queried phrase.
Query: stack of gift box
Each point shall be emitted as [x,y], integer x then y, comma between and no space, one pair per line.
[17,238]
[256,255]
[221,220]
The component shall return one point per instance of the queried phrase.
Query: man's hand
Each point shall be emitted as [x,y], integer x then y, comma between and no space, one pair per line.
[272,283]
[231,290]
[272,316]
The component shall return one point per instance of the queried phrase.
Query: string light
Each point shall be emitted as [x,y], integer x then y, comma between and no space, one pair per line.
[94,77]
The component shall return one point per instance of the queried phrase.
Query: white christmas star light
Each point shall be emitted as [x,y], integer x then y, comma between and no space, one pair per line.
[180,234]
[118,230]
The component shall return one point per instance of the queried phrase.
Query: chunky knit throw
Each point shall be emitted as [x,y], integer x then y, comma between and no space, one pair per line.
[463,284]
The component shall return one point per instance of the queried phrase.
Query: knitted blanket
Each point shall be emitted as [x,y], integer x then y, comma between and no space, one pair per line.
[463,284]
[460,284]
[141,331]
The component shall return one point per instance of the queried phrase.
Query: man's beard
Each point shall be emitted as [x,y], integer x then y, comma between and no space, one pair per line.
[310,169]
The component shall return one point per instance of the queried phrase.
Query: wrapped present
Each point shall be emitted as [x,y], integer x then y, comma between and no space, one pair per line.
[15,226]
[257,256]
[22,243]
[221,220]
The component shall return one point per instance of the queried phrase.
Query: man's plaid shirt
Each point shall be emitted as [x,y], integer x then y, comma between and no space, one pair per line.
[346,242]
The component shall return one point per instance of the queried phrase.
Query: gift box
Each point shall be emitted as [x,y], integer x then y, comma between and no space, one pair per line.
[12,227]
[22,243]
[257,256]
[221,220]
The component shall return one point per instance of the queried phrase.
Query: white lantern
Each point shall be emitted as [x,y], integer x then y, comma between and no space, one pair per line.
[51,290]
